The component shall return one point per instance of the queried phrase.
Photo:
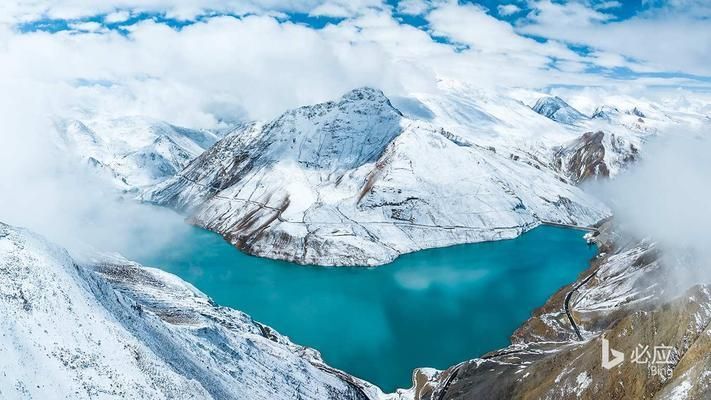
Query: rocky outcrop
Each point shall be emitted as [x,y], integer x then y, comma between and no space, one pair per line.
[354,182]
[584,158]
[587,157]
[621,299]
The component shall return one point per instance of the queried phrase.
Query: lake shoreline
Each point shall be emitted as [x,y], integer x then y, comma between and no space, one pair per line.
[378,302]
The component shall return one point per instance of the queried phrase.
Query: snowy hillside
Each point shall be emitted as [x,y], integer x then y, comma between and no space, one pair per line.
[506,120]
[132,152]
[355,182]
[558,110]
[109,328]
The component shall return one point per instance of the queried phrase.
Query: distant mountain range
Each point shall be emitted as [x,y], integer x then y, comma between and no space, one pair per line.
[132,153]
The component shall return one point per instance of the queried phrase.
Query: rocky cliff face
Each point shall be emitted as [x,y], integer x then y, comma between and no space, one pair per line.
[110,328]
[584,158]
[557,353]
[354,182]
[587,157]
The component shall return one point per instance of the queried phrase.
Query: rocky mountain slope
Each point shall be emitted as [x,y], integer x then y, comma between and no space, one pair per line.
[132,152]
[594,155]
[110,328]
[627,297]
[355,182]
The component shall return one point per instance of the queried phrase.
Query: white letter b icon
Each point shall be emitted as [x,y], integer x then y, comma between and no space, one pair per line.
[617,356]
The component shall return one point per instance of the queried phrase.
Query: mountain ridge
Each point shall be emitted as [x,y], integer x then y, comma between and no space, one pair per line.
[132,152]
[354,182]
[108,327]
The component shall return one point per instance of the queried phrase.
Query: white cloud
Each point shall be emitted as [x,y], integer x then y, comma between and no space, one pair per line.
[665,198]
[259,66]
[87,26]
[117,16]
[494,45]
[45,191]
[606,5]
[412,7]
[666,41]
[344,8]
[508,9]
[28,10]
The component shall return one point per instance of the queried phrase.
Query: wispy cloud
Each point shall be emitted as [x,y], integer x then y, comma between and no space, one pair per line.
[671,39]
[508,9]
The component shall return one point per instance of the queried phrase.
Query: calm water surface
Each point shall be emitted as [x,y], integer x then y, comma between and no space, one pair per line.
[432,308]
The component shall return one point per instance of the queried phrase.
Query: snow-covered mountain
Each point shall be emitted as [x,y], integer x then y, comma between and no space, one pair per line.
[558,110]
[355,182]
[132,152]
[110,328]
[359,180]
[506,120]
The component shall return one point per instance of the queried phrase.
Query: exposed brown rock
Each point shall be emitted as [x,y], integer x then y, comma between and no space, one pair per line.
[584,158]
[547,361]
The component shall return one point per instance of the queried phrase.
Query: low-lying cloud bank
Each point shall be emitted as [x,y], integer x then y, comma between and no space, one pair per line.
[665,198]
[48,192]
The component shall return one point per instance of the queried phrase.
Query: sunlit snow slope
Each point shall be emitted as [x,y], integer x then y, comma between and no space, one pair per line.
[110,328]
[355,182]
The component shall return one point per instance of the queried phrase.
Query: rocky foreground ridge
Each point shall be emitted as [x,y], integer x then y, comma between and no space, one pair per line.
[628,296]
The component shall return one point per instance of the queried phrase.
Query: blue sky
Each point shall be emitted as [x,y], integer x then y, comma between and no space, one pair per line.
[624,10]
[621,10]
[225,59]
[615,12]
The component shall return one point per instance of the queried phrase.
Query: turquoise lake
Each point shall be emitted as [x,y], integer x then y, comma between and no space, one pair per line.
[432,308]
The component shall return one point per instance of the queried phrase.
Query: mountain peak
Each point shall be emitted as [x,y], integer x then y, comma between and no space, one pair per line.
[368,95]
[365,93]
[605,112]
[558,110]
